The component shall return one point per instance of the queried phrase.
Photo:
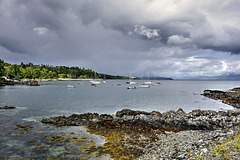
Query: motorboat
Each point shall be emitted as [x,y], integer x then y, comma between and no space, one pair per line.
[130,87]
[148,83]
[70,86]
[144,86]
[131,82]
[95,82]
[156,83]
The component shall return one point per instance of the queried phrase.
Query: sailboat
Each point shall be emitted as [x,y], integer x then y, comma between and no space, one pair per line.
[104,79]
[130,81]
[145,84]
[148,82]
[94,82]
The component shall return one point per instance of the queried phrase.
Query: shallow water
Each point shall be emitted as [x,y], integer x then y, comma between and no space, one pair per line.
[54,99]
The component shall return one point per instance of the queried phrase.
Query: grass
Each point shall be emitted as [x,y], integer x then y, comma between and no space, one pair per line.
[229,149]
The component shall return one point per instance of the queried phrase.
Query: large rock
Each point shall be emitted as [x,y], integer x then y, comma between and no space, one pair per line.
[231,97]
[8,107]
[196,120]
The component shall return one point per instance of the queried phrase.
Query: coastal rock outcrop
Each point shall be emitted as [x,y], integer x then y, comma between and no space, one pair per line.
[8,107]
[195,120]
[231,97]
[157,134]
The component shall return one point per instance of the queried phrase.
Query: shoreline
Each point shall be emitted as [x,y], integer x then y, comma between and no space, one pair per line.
[155,135]
[64,79]
[230,97]
[200,134]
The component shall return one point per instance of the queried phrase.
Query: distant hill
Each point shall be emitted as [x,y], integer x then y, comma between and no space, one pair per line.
[230,76]
[155,78]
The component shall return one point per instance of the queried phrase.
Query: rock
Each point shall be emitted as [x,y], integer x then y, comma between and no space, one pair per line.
[196,120]
[231,97]
[8,107]
[169,135]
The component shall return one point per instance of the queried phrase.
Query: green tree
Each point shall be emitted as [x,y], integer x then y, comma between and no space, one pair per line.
[36,73]
[28,73]
[15,69]
[44,73]
[2,69]
[20,74]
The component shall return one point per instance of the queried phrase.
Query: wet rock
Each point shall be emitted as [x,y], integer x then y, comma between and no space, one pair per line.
[128,112]
[231,97]
[8,107]
[157,134]
[196,120]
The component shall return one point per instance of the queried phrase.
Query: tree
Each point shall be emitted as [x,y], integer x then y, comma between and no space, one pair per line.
[44,73]
[28,73]
[36,73]
[15,69]
[2,70]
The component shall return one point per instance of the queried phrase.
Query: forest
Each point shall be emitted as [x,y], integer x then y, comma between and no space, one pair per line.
[31,71]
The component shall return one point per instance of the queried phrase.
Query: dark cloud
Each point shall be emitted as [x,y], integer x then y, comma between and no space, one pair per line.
[167,36]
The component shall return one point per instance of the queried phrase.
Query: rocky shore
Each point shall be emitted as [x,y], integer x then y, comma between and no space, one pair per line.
[169,135]
[195,120]
[231,97]
[8,107]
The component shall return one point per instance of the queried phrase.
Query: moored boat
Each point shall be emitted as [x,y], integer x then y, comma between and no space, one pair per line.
[144,86]
[70,86]
[156,83]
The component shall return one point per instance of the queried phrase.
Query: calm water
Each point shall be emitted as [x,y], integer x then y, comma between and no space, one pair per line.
[54,98]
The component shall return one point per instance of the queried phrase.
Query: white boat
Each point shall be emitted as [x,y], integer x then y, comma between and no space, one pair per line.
[70,86]
[132,87]
[148,83]
[144,86]
[131,82]
[156,83]
[95,82]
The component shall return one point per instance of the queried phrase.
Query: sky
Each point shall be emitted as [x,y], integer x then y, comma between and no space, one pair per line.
[168,38]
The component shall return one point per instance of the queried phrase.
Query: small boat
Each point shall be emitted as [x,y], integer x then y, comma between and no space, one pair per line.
[132,87]
[156,83]
[70,86]
[144,86]
[148,83]
[94,85]
[95,82]
[33,83]
[131,82]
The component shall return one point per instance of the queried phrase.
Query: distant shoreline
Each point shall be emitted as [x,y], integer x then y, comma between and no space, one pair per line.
[63,79]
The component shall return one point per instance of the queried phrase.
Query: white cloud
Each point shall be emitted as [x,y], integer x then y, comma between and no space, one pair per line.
[152,34]
[178,39]
[40,30]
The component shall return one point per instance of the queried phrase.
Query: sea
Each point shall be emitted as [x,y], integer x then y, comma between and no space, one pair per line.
[22,135]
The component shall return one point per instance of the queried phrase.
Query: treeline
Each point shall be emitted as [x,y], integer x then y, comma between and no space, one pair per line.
[31,71]
[107,76]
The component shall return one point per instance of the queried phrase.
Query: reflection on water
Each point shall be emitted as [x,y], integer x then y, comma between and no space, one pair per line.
[39,141]
[23,136]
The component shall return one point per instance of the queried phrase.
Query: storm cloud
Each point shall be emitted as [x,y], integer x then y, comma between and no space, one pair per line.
[171,38]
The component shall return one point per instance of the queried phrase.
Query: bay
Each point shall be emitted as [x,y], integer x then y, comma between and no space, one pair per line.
[55,98]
